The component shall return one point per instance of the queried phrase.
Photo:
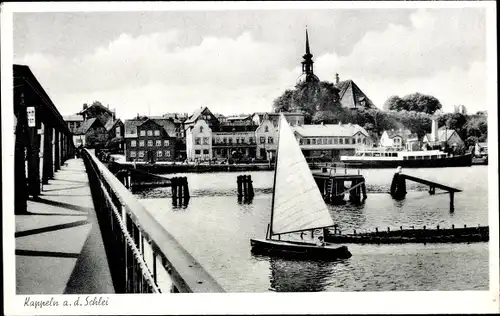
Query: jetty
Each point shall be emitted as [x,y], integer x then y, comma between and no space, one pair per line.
[412,235]
[336,180]
[398,187]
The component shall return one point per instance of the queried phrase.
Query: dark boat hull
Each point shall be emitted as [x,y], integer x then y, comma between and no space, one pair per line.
[298,250]
[456,161]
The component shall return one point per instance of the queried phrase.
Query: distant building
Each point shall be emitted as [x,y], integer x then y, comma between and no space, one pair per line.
[97,110]
[441,137]
[92,134]
[399,140]
[147,140]
[481,150]
[293,118]
[116,134]
[74,122]
[330,141]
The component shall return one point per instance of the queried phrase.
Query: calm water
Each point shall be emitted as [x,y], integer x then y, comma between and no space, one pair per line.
[216,230]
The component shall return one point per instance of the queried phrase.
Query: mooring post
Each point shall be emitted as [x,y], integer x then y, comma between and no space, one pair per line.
[452,201]
[432,190]
[239,182]
[354,232]
[186,188]
[173,183]
[250,187]
[363,188]
[179,188]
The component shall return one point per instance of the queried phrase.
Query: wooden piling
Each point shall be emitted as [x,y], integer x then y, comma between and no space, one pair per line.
[239,182]
[186,188]
[452,201]
[174,188]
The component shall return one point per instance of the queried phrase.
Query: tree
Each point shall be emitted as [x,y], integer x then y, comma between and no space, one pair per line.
[318,101]
[413,102]
[422,103]
[394,103]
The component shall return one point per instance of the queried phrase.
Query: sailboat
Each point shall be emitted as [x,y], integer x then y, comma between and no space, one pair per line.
[297,205]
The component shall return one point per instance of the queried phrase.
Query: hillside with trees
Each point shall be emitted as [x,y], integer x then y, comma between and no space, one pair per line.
[320,102]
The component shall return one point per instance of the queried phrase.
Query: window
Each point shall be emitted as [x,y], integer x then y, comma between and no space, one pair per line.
[117,131]
[230,140]
[201,129]
[143,133]
[217,140]
[159,153]
[157,133]
[141,153]
[270,140]
[150,143]
[250,140]
[266,129]
[364,141]
[197,152]
[205,151]
[341,141]
[158,143]
[308,141]
[150,132]
[237,140]
[141,143]
[133,143]
[300,141]
[262,140]
[329,141]
[167,153]
[132,154]
[205,140]
[313,141]
[197,141]
[166,142]
[224,140]
[353,141]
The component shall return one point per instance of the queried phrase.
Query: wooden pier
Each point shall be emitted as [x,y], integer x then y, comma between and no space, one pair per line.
[332,183]
[398,187]
[423,235]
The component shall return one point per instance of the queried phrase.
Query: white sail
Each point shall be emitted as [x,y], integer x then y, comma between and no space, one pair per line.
[298,204]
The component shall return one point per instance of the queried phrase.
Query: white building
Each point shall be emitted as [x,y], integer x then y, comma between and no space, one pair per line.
[399,139]
[266,137]
[330,141]
[199,141]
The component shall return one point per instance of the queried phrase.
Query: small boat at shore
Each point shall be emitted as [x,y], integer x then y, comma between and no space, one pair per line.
[297,206]
[377,158]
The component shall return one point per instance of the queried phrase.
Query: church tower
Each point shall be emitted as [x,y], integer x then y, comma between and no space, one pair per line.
[307,65]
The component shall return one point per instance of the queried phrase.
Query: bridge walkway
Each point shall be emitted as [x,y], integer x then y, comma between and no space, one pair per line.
[59,247]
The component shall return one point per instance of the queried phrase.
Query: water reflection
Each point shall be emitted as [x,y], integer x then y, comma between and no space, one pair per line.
[180,202]
[299,275]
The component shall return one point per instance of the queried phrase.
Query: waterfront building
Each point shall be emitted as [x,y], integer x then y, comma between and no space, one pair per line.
[116,133]
[91,134]
[199,141]
[266,136]
[74,122]
[442,137]
[235,138]
[399,139]
[146,139]
[330,141]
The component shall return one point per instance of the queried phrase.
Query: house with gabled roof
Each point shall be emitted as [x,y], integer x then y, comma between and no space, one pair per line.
[399,139]
[442,136]
[91,134]
[148,140]
[351,96]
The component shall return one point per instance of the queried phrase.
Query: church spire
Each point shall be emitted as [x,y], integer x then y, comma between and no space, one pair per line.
[307,63]
[308,51]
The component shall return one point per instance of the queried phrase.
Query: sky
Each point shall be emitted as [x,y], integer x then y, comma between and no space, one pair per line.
[153,63]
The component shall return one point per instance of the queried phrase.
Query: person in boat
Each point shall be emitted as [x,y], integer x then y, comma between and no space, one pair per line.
[398,185]
[320,242]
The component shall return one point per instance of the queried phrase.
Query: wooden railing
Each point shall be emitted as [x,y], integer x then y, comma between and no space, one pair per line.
[143,256]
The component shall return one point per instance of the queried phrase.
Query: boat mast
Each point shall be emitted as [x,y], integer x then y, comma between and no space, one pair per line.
[274,180]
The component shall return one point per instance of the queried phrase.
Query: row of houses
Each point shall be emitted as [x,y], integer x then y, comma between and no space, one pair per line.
[204,136]
[96,126]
